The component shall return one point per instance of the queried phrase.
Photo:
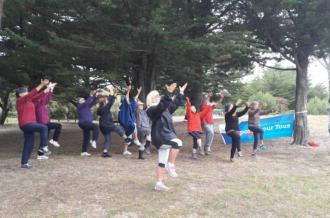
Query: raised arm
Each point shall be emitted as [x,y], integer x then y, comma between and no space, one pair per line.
[129,88]
[241,113]
[188,108]
[35,91]
[138,93]
[222,96]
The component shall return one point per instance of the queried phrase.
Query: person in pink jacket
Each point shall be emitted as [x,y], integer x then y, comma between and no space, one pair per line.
[43,117]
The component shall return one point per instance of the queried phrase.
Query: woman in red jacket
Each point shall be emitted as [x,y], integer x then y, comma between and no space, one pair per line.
[28,123]
[194,126]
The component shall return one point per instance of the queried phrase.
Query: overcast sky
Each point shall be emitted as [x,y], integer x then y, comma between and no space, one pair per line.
[316,72]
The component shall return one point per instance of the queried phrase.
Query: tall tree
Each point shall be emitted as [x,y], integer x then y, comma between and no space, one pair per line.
[292,28]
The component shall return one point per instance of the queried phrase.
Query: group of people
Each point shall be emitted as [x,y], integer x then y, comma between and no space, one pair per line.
[140,124]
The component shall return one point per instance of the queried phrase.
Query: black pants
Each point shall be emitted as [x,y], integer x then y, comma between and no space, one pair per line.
[87,127]
[236,142]
[257,132]
[196,136]
[57,127]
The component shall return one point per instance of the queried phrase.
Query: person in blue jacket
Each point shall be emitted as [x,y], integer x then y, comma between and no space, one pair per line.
[127,117]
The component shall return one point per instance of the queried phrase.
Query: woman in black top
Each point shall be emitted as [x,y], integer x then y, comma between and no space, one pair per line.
[232,126]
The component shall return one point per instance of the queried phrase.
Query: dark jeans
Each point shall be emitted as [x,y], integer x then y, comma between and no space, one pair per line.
[29,130]
[196,136]
[87,127]
[57,130]
[236,142]
[106,131]
[257,132]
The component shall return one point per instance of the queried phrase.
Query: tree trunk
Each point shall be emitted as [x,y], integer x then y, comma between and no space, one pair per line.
[301,132]
[196,87]
[1,12]
[5,108]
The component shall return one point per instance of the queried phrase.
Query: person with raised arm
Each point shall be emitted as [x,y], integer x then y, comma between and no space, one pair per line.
[194,127]
[254,122]
[208,122]
[232,126]
[163,134]
[43,117]
[127,119]
[86,122]
[28,123]
[106,123]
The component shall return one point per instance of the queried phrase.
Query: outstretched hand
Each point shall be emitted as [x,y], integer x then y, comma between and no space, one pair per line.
[238,102]
[44,82]
[183,88]
[93,93]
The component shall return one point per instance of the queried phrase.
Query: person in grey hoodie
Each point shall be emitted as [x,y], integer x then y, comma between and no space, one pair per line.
[143,129]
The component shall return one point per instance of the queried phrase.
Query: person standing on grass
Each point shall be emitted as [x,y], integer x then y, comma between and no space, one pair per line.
[232,126]
[163,134]
[106,123]
[194,127]
[86,122]
[42,114]
[28,123]
[253,124]
[143,129]
[208,122]
[127,117]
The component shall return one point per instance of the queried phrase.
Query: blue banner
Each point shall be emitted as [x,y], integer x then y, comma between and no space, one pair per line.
[274,127]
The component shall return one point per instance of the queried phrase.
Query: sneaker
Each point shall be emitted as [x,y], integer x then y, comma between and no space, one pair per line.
[45,150]
[54,143]
[148,150]
[42,157]
[137,142]
[26,166]
[127,152]
[240,154]
[208,149]
[254,152]
[194,156]
[161,187]
[128,141]
[85,154]
[106,155]
[171,171]
[201,151]
[232,160]
[263,148]
[93,144]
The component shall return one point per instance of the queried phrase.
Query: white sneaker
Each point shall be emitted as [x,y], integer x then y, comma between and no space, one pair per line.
[46,151]
[42,157]
[161,187]
[240,154]
[171,171]
[127,152]
[85,154]
[54,143]
[93,144]
[137,142]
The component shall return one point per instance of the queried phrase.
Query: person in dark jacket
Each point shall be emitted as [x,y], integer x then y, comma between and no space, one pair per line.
[106,123]
[232,126]
[254,125]
[163,134]
[86,122]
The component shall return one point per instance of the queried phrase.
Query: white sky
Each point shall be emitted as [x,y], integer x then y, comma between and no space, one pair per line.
[316,72]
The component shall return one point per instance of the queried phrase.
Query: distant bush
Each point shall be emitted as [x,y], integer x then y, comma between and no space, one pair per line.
[317,106]
[264,97]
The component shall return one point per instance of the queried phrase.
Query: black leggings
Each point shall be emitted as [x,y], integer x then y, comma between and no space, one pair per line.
[87,127]
[236,142]
[196,136]
[57,127]
[257,132]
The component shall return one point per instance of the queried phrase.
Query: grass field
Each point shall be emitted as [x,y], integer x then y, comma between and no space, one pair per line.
[285,181]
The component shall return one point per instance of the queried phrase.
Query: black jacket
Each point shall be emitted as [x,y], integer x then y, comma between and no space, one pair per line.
[105,114]
[162,129]
[232,122]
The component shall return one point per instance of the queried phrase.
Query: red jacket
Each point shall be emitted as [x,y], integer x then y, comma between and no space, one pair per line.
[26,109]
[194,119]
